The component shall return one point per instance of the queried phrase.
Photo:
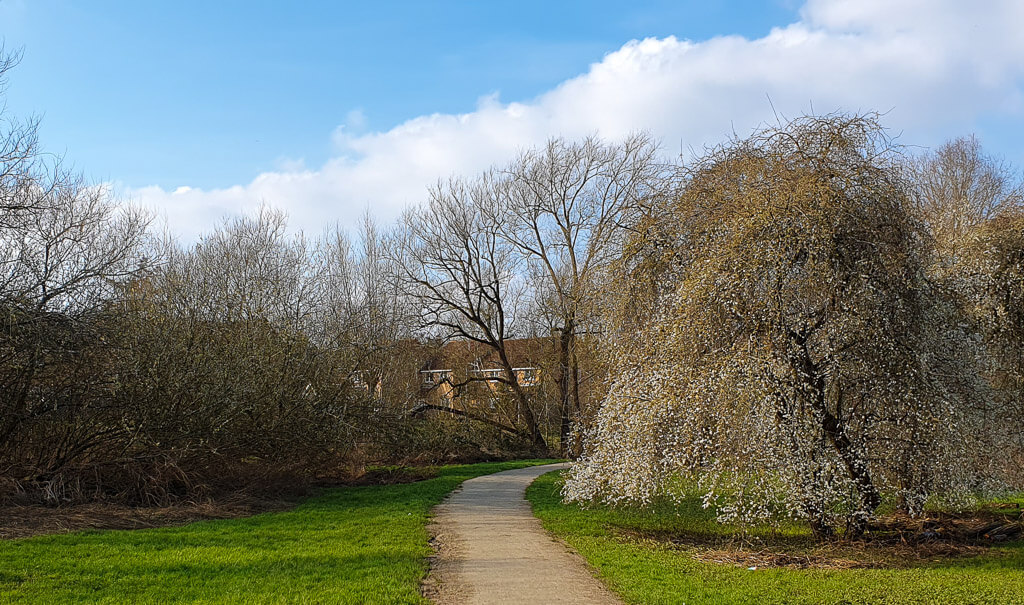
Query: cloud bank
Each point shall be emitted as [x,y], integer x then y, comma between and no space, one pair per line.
[939,68]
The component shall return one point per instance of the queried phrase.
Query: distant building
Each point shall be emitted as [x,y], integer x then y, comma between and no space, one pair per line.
[361,380]
[468,373]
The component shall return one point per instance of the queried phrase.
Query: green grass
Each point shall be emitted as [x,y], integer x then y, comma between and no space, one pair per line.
[346,545]
[653,571]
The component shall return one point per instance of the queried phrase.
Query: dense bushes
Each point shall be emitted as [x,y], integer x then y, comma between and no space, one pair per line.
[151,395]
[136,368]
[247,359]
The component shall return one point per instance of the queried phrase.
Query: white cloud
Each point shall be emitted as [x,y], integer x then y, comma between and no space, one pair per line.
[936,67]
[355,120]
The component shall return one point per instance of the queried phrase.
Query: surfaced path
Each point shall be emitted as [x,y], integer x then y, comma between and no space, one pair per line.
[491,549]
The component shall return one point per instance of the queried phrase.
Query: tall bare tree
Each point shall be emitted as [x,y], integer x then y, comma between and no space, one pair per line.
[367,309]
[467,279]
[973,205]
[65,248]
[564,208]
[960,187]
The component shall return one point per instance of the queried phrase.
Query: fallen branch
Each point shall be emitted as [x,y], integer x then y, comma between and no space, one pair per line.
[422,407]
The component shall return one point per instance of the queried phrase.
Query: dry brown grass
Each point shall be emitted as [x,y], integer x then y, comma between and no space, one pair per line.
[23,521]
[892,542]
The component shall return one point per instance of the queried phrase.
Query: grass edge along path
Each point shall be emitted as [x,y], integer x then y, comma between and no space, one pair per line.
[649,573]
[344,545]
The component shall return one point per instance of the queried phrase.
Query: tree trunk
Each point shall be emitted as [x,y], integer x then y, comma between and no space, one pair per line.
[564,391]
[835,432]
[422,407]
[532,428]
[857,468]
[568,383]
[576,408]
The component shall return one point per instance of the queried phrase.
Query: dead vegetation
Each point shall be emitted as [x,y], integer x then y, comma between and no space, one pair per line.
[24,518]
[1002,524]
[891,542]
[24,521]
[393,475]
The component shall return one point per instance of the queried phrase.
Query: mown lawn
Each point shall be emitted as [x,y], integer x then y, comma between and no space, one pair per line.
[656,571]
[347,545]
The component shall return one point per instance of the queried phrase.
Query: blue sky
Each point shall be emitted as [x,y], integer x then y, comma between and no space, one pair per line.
[200,109]
[213,93]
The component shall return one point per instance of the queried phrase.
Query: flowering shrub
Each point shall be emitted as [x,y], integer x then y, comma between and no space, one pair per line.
[793,360]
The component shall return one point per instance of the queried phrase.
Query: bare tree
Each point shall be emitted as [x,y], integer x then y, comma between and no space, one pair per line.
[226,369]
[65,248]
[959,188]
[467,279]
[973,205]
[20,158]
[72,249]
[147,371]
[987,277]
[367,310]
[564,208]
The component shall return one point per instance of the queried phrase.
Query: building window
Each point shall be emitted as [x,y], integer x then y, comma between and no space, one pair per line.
[432,378]
[528,377]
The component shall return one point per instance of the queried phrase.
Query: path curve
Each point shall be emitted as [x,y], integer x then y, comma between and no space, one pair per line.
[491,549]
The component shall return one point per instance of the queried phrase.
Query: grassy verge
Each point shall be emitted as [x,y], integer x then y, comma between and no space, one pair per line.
[624,546]
[347,545]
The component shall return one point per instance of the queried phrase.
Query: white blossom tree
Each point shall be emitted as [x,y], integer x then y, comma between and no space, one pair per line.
[973,206]
[799,363]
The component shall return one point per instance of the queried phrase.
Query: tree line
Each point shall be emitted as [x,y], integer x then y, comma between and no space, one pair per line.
[801,323]
[140,368]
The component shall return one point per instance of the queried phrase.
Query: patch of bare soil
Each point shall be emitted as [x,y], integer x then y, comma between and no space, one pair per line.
[441,585]
[394,475]
[766,558]
[895,541]
[988,527]
[23,521]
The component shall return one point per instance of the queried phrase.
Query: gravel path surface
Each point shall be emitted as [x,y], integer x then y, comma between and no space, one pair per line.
[491,549]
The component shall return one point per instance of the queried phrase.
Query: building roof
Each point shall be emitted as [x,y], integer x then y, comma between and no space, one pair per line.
[466,354]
